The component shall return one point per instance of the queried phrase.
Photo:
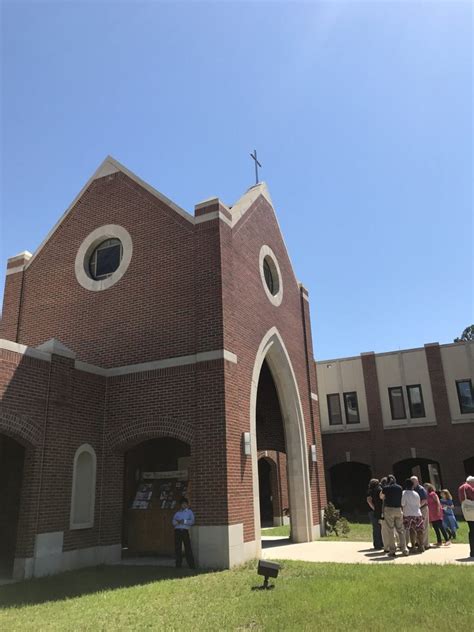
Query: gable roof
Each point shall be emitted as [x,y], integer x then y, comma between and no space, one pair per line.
[106,168]
[110,166]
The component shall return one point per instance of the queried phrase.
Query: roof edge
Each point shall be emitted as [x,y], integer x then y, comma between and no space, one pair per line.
[107,167]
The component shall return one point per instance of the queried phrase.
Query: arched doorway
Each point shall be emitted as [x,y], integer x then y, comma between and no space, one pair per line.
[273,353]
[156,478]
[12,457]
[427,471]
[266,492]
[349,482]
[469,466]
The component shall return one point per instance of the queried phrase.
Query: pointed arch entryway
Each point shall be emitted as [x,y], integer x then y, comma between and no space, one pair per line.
[273,351]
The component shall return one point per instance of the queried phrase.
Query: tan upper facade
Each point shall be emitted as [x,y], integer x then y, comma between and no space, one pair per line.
[406,397]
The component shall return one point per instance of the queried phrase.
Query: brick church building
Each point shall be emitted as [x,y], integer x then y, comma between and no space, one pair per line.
[145,354]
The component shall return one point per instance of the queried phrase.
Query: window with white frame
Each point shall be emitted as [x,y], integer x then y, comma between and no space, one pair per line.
[83,488]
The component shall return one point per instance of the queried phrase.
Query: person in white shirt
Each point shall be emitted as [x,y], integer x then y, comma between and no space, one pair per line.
[183,520]
[412,516]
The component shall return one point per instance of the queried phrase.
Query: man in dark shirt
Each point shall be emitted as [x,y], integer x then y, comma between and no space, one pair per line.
[422,493]
[391,495]
[375,514]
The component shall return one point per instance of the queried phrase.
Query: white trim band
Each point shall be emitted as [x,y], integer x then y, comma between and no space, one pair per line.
[204,356]
[14,270]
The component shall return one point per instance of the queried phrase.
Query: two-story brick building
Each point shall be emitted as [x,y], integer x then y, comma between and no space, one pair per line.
[403,412]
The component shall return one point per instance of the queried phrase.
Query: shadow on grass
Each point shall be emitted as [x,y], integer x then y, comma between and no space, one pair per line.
[86,582]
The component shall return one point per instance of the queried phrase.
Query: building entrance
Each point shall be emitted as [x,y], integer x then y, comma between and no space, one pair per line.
[12,456]
[156,478]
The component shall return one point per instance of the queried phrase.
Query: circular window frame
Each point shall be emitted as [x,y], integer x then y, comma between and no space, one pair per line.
[90,243]
[267,253]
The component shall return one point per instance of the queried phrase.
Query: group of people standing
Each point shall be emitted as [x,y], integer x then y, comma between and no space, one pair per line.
[402,516]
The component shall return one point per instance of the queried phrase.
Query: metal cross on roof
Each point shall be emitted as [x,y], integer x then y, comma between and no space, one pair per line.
[257,164]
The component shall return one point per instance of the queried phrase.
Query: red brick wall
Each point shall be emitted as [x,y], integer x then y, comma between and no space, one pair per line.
[51,409]
[149,314]
[188,289]
[248,316]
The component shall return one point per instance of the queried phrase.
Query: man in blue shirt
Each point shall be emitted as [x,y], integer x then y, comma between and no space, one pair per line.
[183,520]
[423,494]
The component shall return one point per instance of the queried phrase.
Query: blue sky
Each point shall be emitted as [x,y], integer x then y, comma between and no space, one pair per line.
[361,113]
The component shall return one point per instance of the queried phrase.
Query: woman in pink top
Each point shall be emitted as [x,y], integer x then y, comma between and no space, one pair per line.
[436,515]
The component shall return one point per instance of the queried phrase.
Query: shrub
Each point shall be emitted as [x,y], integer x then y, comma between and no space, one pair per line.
[333,521]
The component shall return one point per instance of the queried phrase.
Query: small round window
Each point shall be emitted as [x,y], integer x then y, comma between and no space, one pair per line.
[105,259]
[270,275]
[271,278]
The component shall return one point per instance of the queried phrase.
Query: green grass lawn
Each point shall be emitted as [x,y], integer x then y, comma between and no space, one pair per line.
[362,532]
[307,597]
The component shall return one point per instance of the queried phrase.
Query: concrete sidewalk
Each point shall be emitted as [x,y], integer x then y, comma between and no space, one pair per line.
[359,553]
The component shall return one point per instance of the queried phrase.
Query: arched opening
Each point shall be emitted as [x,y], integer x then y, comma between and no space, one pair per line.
[469,466]
[277,424]
[266,492]
[12,458]
[349,482]
[427,471]
[156,478]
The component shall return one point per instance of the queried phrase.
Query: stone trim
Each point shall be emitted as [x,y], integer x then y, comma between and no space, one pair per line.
[14,270]
[26,254]
[266,251]
[213,215]
[60,561]
[109,231]
[204,356]
[16,347]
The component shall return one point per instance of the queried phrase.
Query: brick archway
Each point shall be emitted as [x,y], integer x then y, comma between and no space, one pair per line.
[143,429]
[21,429]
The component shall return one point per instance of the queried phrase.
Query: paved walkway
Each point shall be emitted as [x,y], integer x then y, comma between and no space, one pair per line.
[277,548]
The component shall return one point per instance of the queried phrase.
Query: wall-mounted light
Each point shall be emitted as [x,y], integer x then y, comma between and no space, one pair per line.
[247,444]
[314,456]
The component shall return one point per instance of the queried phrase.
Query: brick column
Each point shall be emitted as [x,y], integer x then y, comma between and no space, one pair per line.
[374,409]
[9,325]
[316,470]
[438,385]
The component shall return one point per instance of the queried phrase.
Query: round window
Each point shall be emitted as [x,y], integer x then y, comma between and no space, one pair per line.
[271,279]
[271,275]
[105,259]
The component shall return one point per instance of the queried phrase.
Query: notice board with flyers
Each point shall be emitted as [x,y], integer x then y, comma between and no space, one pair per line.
[150,515]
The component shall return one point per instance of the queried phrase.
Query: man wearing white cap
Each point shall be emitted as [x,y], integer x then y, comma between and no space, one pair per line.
[466,498]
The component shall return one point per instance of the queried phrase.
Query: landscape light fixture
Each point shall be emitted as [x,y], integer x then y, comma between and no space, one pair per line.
[267,569]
